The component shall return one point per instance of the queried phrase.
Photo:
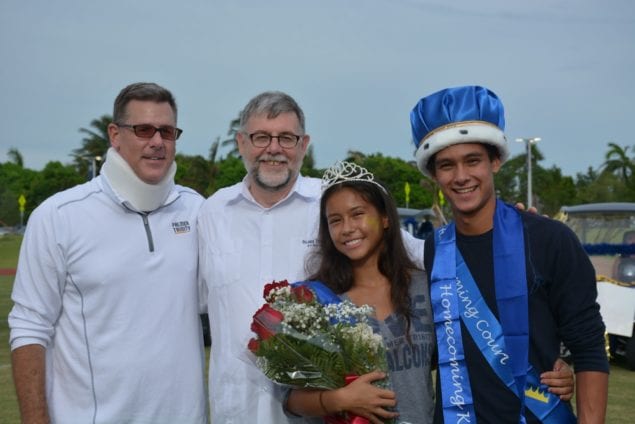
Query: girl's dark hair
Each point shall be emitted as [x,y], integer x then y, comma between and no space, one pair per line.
[334,269]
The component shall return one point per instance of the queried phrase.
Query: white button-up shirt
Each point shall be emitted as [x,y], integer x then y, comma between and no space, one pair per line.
[243,246]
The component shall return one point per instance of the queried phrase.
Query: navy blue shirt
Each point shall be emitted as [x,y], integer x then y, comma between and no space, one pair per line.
[562,308]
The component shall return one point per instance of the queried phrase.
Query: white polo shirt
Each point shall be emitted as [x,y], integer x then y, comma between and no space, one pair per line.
[243,246]
[112,295]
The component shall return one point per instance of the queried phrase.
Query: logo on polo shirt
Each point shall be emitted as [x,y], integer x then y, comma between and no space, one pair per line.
[181,227]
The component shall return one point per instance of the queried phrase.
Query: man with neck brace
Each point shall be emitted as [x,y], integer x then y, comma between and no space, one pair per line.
[105,326]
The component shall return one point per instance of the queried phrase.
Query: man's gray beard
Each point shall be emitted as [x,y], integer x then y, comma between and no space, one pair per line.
[262,184]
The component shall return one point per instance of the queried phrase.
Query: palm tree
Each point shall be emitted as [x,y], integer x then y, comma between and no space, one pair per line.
[213,165]
[94,144]
[16,157]
[308,164]
[309,158]
[230,141]
[213,150]
[618,163]
[355,156]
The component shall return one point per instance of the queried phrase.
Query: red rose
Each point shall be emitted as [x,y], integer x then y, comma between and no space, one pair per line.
[266,321]
[302,294]
[272,286]
[253,345]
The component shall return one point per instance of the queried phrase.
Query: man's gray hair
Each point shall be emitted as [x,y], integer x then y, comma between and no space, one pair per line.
[271,104]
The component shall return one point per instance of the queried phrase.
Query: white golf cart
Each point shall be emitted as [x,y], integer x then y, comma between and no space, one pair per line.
[607,232]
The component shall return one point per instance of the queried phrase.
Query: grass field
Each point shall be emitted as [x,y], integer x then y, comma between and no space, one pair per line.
[9,246]
[621,407]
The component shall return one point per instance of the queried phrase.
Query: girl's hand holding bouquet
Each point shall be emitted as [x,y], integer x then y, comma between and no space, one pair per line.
[307,337]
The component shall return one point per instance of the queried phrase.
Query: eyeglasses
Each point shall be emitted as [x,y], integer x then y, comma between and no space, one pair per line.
[285,140]
[167,132]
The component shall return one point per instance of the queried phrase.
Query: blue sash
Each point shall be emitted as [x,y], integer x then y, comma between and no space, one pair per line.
[455,295]
[456,392]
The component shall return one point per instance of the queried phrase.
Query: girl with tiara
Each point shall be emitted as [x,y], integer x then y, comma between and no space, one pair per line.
[361,257]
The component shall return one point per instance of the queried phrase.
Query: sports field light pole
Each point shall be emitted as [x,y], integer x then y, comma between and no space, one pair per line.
[528,142]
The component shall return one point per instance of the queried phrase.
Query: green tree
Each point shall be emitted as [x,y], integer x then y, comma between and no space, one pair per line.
[613,182]
[617,162]
[195,172]
[230,141]
[230,171]
[536,156]
[35,186]
[508,179]
[355,156]
[53,178]
[587,189]
[15,180]
[16,157]
[308,165]
[94,145]
[213,152]
[550,189]
[553,190]
[394,173]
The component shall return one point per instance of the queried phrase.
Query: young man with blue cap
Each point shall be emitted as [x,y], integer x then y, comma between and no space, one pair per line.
[507,287]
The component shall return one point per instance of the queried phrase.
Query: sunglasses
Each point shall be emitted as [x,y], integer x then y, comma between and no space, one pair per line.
[147,131]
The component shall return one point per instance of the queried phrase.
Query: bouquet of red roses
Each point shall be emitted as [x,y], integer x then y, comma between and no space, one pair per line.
[307,337]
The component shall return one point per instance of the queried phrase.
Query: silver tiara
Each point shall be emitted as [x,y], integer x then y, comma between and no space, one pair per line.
[342,172]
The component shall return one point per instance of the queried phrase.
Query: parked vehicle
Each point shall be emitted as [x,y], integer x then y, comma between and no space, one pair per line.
[607,232]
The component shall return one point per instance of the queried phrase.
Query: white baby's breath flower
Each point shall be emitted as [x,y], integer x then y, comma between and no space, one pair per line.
[312,328]
[280,294]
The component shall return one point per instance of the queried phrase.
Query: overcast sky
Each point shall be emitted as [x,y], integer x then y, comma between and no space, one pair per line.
[356,67]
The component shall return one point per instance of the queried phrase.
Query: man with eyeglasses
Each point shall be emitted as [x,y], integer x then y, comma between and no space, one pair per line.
[105,326]
[251,233]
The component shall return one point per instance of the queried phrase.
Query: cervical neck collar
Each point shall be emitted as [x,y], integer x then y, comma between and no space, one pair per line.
[141,195]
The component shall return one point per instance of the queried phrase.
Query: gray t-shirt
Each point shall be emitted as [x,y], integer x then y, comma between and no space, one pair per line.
[409,362]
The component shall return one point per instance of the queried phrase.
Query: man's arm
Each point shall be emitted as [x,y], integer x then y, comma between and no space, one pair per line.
[580,324]
[591,396]
[29,378]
